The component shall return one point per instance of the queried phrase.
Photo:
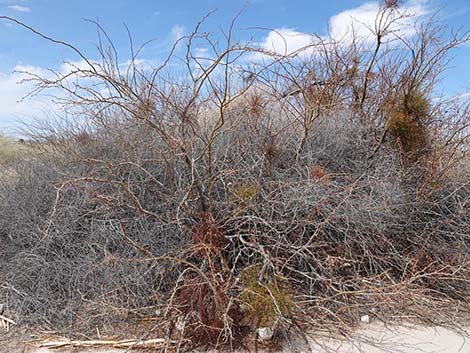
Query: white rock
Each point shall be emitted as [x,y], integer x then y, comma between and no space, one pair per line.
[265,333]
[180,324]
[244,308]
[365,318]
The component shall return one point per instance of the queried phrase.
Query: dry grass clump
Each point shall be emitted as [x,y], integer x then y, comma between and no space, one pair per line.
[209,203]
[11,151]
[246,192]
[416,104]
[411,135]
[407,123]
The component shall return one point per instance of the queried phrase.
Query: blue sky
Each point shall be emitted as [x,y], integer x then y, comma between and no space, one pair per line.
[166,20]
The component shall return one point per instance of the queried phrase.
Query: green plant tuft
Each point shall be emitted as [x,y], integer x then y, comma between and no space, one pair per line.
[265,301]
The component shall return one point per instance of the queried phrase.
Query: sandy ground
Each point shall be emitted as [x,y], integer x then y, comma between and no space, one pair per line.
[377,338]
[370,338]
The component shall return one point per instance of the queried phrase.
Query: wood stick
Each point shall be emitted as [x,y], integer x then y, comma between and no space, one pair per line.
[117,344]
[7,320]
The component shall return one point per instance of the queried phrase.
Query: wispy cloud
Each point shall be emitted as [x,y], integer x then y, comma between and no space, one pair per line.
[19,8]
[461,96]
[177,32]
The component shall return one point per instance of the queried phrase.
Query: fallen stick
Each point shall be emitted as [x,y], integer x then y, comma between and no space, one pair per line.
[3,318]
[6,322]
[59,343]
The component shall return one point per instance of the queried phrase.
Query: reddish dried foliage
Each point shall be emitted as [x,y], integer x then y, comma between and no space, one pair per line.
[207,236]
[205,309]
[318,173]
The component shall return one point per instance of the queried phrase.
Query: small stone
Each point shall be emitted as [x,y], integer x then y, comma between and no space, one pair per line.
[365,318]
[265,333]
[244,308]
[180,324]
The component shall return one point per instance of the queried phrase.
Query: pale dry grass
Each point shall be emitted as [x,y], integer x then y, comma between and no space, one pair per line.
[10,150]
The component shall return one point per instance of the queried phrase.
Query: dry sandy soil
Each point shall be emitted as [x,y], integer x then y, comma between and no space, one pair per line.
[371,338]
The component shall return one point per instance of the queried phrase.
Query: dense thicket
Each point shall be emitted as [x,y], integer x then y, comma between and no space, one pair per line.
[301,189]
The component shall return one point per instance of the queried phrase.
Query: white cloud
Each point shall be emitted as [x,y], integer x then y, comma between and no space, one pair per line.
[361,21]
[20,71]
[143,65]
[15,104]
[71,66]
[19,8]
[13,109]
[285,41]
[357,21]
